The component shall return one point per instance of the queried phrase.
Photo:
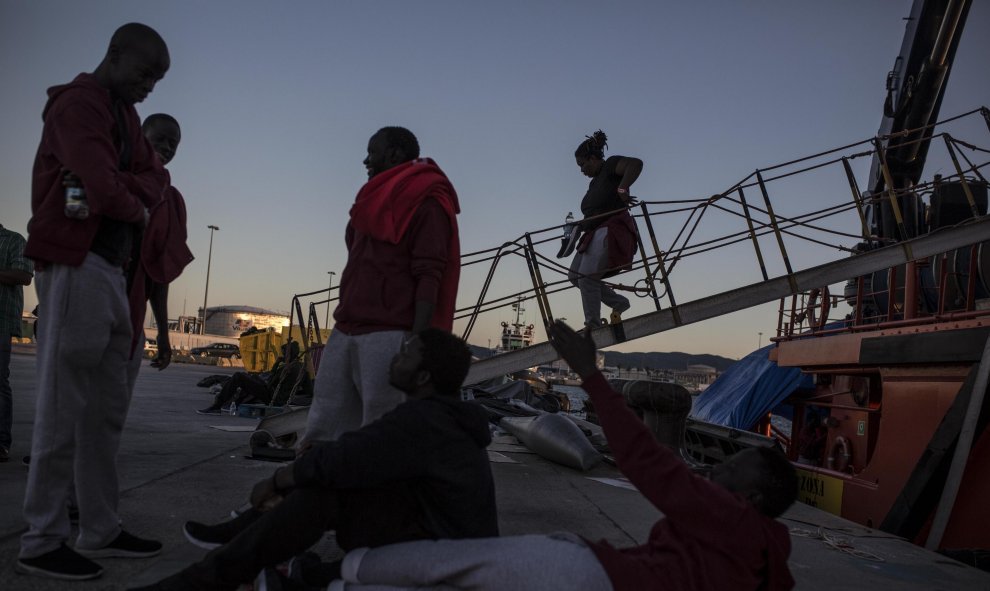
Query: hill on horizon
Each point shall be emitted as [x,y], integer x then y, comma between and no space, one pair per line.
[673,360]
[654,360]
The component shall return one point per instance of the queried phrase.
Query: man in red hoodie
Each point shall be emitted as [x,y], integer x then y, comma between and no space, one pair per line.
[716,534]
[401,277]
[81,242]
[163,253]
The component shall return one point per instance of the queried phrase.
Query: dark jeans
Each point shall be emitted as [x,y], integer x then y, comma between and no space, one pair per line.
[252,389]
[360,517]
[6,394]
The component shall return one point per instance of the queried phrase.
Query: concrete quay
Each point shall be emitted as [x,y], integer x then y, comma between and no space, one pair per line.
[174,466]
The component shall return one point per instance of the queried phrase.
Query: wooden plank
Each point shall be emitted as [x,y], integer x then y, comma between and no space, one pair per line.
[923,488]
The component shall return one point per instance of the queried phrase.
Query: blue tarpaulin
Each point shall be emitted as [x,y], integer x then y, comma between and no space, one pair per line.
[748,390]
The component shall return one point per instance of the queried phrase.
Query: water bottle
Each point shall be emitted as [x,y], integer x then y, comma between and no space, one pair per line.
[232,408]
[76,206]
[565,241]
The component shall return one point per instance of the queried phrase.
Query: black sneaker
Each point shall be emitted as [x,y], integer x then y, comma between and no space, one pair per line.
[209,537]
[62,563]
[4,453]
[125,546]
[209,411]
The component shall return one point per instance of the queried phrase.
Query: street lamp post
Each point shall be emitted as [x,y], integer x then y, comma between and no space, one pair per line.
[209,260]
[760,344]
[329,291]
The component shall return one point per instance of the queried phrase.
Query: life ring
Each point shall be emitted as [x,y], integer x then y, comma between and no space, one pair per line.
[815,312]
[839,455]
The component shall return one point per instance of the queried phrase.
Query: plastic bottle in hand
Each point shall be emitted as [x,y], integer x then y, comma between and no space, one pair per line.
[570,235]
[568,225]
[76,205]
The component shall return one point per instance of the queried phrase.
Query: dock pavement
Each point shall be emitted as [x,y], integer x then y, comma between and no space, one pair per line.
[176,465]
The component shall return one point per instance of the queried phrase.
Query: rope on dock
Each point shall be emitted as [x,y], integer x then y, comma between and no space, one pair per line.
[841,544]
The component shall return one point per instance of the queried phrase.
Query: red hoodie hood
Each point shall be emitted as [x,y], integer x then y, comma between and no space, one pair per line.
[385,204]
[85,82]
[384,209]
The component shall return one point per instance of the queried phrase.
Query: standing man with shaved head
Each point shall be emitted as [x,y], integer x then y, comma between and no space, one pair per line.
[95,177]
[403,267]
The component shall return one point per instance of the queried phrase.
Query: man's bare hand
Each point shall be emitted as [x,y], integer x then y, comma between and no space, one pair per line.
[264,495]
[578,351]
[163,358]
[303,447]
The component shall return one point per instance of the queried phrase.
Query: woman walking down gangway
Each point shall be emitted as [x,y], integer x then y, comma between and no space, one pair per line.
[609,241]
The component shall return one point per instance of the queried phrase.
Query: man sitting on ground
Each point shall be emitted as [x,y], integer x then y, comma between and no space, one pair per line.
[717,534]
[419,472]
[287,379]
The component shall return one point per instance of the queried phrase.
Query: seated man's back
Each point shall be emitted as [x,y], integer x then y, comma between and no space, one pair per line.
[433,449]
[419,472]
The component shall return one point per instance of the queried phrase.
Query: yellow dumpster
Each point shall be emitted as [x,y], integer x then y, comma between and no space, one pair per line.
[260,350]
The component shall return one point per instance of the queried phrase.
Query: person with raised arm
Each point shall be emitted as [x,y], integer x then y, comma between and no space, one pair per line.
[717,533]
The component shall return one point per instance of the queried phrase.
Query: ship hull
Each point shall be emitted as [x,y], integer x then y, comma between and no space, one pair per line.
[896,399]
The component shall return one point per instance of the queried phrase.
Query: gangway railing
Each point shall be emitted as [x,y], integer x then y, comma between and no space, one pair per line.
[760,218]
[747,297]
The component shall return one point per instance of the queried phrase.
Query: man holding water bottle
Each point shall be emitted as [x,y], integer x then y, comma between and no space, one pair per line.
[95,177]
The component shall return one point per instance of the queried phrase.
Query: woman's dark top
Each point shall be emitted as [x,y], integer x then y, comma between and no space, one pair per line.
[602,196]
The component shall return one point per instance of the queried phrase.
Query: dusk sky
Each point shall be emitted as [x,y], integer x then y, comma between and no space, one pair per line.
[277,101]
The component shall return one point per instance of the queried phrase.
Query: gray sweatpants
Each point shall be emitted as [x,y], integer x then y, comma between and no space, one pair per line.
[521,563]
[134,365]
[352,388]
[82,399]
[586,272]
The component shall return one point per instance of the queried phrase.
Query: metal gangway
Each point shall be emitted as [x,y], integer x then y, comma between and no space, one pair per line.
[753,219]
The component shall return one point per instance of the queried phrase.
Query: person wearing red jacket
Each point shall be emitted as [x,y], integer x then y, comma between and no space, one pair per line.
[716,534]
[163,253]
[91,140]
[403,266]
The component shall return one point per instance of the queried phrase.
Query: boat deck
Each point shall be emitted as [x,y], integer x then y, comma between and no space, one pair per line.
[175,467]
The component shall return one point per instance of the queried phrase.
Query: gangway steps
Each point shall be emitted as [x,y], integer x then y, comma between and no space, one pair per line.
[944,240]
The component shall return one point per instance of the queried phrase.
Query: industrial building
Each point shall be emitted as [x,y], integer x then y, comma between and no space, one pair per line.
[231,321]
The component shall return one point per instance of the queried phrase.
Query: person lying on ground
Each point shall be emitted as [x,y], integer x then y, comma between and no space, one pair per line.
[287,378]
[716,534]
[421,471]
